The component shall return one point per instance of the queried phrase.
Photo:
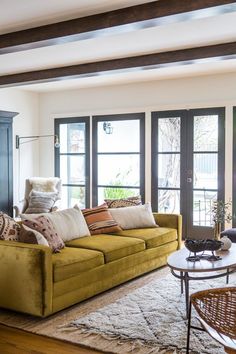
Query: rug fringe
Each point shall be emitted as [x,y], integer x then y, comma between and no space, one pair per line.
[135,344]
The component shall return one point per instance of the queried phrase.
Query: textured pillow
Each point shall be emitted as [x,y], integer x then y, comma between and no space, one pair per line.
[124,202]
[44,184]
[40,202]
[100,221]
[28,235]
[134,217]
[69,223]
[9,228]
[43,225]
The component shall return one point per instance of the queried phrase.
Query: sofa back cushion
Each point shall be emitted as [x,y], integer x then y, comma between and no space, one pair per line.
[100,221]
[134,217]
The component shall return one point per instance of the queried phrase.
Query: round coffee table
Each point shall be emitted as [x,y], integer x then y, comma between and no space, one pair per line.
[181,268]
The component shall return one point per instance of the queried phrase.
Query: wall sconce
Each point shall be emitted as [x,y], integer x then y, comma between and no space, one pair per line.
[35,137]
[108,129]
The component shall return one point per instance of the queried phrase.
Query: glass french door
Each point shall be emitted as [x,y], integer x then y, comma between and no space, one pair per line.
[188,166]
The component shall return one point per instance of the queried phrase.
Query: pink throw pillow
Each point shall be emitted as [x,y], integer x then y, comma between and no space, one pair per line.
[43,225]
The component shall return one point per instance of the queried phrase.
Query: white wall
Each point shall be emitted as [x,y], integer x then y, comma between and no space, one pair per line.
[26,159]
[195,92]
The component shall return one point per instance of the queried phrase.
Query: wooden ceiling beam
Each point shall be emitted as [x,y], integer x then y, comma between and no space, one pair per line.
[221,51]
[66,31]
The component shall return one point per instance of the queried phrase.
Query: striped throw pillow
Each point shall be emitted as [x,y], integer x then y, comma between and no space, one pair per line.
[123,202]
[100,221]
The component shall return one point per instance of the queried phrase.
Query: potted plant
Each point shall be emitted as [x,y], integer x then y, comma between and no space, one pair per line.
[220,215]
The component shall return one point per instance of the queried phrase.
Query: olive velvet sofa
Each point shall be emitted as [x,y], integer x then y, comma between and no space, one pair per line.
[36,281]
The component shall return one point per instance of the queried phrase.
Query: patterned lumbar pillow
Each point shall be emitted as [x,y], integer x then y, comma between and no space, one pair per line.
[123,202]
[134,217]
[9,228]
[40,202]
[100,221]
[44,225]
[28,235]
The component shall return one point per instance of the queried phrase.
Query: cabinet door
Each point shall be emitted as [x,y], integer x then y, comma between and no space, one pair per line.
[6,162]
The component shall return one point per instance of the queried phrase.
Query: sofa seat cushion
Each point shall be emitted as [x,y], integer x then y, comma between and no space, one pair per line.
[73,261]
[153,237]
[112,247]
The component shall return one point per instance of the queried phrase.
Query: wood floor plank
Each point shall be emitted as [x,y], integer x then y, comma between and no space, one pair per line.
[15,341]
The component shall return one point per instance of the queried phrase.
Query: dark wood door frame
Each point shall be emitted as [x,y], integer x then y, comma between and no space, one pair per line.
[186,135]
[89,26]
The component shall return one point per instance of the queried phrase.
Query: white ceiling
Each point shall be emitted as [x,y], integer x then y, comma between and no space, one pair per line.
[22,14]
[211,29]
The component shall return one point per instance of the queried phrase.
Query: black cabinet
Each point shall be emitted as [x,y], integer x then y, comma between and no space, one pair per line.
[6,162]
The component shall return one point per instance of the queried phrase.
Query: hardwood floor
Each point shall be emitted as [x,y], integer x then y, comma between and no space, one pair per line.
[15,341]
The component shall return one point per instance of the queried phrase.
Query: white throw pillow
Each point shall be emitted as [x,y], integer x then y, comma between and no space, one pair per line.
[69,223]
[134,217]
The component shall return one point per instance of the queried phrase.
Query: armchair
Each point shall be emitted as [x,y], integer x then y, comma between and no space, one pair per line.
[41,184]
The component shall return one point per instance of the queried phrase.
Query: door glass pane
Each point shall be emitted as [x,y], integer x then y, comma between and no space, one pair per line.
[116,193]
[72,169]
[72,196]
[202,205]
[206,133]
[124,136]
[72,138]
[169,170]
[118,170]
[169,134]
[205,171]
[169,201]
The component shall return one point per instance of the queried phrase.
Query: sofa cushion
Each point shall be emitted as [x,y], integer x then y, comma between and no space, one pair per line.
[134,217]
[100,221]
[112,247]
[153,237]
[73,261]
[123,202]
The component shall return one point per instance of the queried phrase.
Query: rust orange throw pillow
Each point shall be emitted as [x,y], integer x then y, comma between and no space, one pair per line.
[43,225]
[100,221]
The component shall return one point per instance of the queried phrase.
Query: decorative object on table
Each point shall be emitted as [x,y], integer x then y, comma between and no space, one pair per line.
[197,246]
[230,233]
[226,243]
[220,215]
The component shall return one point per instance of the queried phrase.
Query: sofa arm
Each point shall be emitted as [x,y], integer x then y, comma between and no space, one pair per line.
[26,277]
[173,221]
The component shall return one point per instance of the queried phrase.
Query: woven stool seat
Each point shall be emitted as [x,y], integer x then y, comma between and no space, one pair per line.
[216,311]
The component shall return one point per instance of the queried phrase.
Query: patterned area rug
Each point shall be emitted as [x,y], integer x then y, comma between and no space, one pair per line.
[148,320]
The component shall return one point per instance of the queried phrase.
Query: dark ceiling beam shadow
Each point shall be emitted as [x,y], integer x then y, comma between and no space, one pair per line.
[66,31]
[138,62]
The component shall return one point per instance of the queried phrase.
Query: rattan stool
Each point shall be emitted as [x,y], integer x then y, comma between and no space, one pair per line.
[216,311]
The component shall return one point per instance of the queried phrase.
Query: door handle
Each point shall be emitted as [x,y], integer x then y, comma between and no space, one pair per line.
[189,180]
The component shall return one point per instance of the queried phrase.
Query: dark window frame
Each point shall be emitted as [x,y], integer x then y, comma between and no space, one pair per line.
[117,117]
[234,170]
[57,154]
